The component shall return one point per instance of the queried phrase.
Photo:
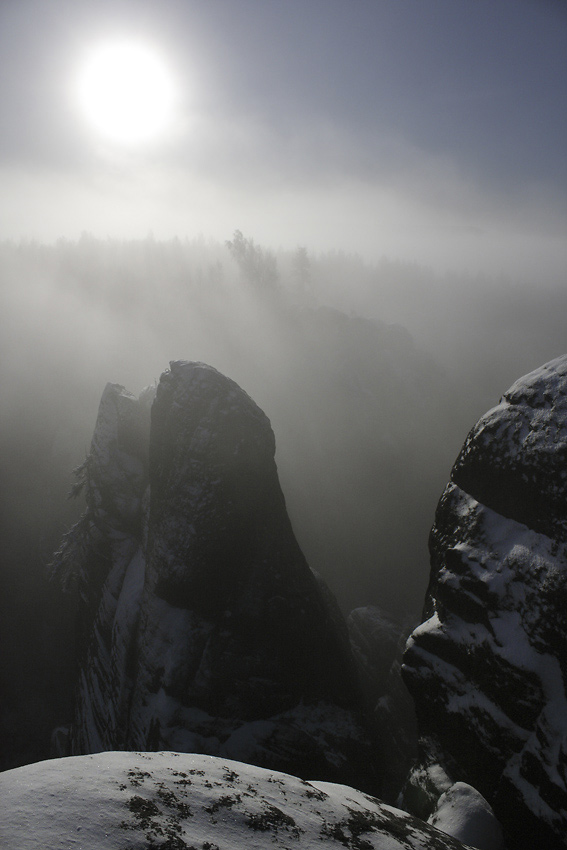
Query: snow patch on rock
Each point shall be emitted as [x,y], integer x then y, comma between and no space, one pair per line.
[183,802]
[464,813]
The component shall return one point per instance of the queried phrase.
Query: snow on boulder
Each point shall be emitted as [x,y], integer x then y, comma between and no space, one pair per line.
[193,802]
[488,666]
[464,813]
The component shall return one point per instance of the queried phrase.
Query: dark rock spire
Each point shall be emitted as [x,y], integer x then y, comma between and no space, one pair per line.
[204,630]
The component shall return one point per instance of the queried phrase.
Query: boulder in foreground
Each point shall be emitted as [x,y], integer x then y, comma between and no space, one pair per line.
[192,802]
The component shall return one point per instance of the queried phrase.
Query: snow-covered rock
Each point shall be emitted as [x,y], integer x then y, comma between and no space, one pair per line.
[464,813]
[488,667]
[193,802]
[204,630]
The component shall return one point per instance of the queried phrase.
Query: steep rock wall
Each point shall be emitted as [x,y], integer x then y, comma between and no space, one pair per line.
[488,667]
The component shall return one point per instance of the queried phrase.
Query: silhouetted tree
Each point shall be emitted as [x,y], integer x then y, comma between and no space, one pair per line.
[257,266]
[301,267]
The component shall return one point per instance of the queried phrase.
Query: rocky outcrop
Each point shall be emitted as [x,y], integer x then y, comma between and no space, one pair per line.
[183,802]
[488,666]
[203,628]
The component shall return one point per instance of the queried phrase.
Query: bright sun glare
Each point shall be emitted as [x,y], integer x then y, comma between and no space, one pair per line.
[126,91]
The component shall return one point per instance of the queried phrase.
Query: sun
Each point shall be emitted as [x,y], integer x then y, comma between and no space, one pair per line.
[126,91]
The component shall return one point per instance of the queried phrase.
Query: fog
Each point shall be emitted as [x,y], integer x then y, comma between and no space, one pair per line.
[429,217]
[371,376]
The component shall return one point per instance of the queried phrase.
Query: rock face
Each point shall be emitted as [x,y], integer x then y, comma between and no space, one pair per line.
[203,628]
[488,667]
[183,802]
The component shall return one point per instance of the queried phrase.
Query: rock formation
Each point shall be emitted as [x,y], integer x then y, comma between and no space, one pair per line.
[202,627]
[488,666]
[183,802]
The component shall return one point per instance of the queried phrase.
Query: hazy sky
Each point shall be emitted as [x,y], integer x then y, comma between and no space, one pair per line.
[429,130]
